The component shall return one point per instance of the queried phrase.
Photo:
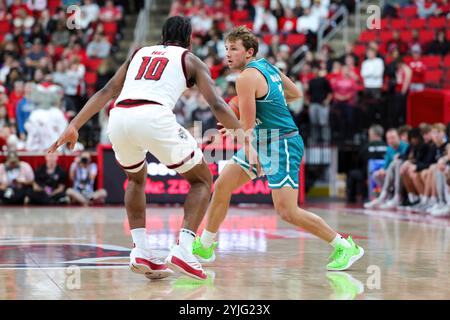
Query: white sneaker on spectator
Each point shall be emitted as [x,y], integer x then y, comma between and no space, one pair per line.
[443,211]
[436,206]
[374,203]
[390,204]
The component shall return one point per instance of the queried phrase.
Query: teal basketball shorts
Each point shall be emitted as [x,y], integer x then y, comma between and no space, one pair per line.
[280,161]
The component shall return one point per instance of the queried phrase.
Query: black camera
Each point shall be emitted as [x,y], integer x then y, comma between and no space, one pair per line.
[84,160]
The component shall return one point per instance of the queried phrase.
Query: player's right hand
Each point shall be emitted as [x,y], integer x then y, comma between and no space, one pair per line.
[69,137]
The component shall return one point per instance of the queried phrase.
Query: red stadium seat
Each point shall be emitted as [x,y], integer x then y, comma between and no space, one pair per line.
[408,12]
[249,24]
[418,23]
[437,22]
[295,39]
[53,5]
[360,50]
[432,61]
[240,15]
[384,23]
[110,28]
[386,36]
[367,36]
[426,36]
[93,64]
[267,38]
[447,76]
[4,27]
[90,78]
[433,77]
[407,59]
[447,61]
[406,35]
[398,24]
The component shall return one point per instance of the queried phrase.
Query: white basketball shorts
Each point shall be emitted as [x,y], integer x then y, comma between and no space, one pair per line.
[151,127]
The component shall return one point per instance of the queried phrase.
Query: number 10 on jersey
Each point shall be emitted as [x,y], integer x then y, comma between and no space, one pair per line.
[152,68]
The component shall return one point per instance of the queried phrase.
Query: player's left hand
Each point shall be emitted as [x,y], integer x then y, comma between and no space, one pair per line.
[69,137]
[253,159]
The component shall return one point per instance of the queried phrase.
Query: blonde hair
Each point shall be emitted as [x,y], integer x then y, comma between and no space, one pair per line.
[249,40]
[439,127]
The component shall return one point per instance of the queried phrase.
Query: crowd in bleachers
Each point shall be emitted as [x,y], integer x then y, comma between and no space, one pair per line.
[52,58]
[416,171]
[344,94]
[49,69]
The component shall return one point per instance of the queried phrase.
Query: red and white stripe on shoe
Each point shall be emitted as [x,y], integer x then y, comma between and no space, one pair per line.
[192,269]
[151,267]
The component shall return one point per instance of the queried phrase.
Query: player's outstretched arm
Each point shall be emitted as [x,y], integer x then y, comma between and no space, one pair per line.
[199,71]
[94,105]
[291,91]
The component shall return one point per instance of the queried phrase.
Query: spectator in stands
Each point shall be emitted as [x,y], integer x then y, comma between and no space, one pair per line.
[424,174]
[4,120]
[440,45]
[418,70]
[204,115]
[24,108]
[320,96]
[21,14]
[37,33]
[201,23]
[99,47]
[61,36]
[415,142]
[286,4]
[309,24]
[8,63]
[91,11]
[288,22]
[14,97]
[442,208]
[83,173]
[16,178]
[423,11]
[110,12]
[74,81]
[403,132]
[415,41]
[33,59]
[397,43]
[263,17]
[397,103]
[391,8]
[372,70]
[50,182]
[385,177]
[238,5]
[345,91]
[413,165]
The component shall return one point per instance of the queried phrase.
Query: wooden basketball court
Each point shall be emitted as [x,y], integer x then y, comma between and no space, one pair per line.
[82,253]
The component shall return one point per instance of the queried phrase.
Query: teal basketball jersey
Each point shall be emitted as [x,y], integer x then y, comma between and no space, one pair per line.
[272,112]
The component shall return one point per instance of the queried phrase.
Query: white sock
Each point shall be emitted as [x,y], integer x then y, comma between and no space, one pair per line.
[432,200]
[207,238]
[140,238]
[412,197]
[340,240]
[423,199]
[186,238]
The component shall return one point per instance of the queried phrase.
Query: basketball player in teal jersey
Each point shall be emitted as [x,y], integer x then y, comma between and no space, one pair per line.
[263,92]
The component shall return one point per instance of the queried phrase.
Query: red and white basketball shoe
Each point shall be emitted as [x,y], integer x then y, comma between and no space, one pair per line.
[143,262]
[181,260]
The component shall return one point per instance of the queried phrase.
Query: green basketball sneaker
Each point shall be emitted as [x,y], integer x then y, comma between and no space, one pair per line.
[343,258]
[204,254]
[344,286]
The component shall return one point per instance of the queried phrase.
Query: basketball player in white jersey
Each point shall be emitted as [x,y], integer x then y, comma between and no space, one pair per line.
[147,86]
